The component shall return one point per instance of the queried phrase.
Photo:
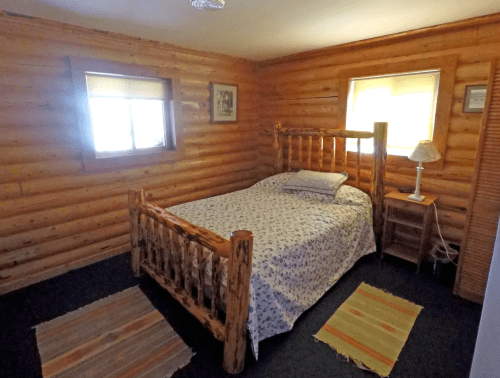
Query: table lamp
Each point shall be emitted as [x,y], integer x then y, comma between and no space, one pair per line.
[424,152]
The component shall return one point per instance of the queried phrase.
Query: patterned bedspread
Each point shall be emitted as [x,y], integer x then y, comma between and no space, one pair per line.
[303,243]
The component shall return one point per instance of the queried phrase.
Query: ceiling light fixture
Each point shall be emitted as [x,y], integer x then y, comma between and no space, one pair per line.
[208,4]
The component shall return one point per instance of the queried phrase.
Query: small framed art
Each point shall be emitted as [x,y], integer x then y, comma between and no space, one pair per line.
[474,98]
[223,103]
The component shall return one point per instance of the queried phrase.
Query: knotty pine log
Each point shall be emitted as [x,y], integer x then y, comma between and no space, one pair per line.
[67,256]
[67,243]
[210,150]
[237,300]
[45,234]
[54,245]
[24,222]
[50,206]
[27,204]
[173,191]
[29,171]
[10,190]
[31,154]
[452,181]
[133,174]
[312,63]
[223,189]
[36,136]
[32,115]
[104,251]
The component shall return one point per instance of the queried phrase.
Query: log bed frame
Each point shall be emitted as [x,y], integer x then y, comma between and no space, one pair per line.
[166,247]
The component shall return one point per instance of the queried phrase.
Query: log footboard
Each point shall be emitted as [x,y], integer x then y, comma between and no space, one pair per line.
[188,261]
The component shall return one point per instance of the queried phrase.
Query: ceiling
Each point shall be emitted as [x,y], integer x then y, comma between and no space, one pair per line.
[255,29]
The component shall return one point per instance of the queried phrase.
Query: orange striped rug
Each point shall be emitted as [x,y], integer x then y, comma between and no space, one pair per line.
[121,336]
[371,328]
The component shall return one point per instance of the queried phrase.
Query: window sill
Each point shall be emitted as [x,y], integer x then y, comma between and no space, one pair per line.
[91,164]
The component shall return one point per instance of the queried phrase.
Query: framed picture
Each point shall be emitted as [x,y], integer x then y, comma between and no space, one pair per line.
[474,98]
[223,103]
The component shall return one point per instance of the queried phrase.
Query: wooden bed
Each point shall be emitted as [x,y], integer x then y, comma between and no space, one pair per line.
[177,253]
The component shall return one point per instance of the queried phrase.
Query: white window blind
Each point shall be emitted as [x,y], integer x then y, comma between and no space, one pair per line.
[127,113]
[406,101]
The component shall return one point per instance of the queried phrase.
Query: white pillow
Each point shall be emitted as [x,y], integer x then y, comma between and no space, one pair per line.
[317,182]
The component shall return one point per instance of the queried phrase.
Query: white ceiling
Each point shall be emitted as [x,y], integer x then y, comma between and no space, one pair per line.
[255,29]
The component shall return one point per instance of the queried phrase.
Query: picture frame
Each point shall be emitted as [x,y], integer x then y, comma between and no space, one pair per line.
[223,103]
[474,98]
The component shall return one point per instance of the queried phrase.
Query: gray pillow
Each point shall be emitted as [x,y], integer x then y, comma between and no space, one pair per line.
[317,182]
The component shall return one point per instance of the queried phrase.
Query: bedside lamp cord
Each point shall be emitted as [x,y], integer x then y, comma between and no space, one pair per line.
[441,236]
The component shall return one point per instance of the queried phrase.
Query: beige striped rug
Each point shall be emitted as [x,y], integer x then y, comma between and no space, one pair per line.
[121,336]
[371,328]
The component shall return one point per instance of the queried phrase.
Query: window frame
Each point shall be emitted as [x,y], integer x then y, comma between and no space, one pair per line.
[447,66]
[173,147]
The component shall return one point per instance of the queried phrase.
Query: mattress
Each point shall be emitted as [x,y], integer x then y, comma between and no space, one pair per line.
[303,243]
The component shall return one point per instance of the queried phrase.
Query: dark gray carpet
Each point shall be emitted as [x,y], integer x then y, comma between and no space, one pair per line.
[441,343]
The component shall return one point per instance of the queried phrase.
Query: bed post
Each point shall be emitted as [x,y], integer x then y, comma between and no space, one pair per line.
[277,149]
[377,189]
[237,300]
[135,198]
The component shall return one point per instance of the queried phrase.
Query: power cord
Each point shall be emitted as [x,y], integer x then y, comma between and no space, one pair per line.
[445,245]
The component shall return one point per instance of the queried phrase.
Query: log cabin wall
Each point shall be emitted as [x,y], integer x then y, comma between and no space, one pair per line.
[303,91]
[54,217]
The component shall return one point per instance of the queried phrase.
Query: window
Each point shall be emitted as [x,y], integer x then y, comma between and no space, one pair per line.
[406,101]
[402,93]
[125,113]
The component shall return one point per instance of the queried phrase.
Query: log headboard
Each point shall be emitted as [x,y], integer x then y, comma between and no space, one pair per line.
[322,146]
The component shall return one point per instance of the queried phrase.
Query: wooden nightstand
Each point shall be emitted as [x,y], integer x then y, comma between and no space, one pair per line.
[412,215]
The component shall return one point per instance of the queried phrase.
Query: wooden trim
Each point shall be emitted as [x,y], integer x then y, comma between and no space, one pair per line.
[477,168]
[171,152]
[446,64]
[388,39]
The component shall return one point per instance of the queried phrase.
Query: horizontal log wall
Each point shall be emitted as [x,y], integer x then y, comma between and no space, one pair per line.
[53,216]
[302,91]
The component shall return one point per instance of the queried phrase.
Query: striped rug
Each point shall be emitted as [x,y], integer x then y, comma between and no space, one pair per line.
[121,336]
[371,328]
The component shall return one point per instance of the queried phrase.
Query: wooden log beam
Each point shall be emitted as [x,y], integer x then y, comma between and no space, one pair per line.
[139,175]
[66,243]
[377,186]
[47,201]
[66,229]
[105,251]
[135,200]
[215,326]
[200,235]
[238,300]
[330,133]
[33,267]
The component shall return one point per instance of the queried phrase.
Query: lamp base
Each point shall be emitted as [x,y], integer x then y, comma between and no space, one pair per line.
[416,197]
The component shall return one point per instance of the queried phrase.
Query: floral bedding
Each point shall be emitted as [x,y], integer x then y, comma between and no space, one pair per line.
[303,243]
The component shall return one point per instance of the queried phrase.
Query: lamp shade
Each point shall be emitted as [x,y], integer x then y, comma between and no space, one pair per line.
[425,152]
